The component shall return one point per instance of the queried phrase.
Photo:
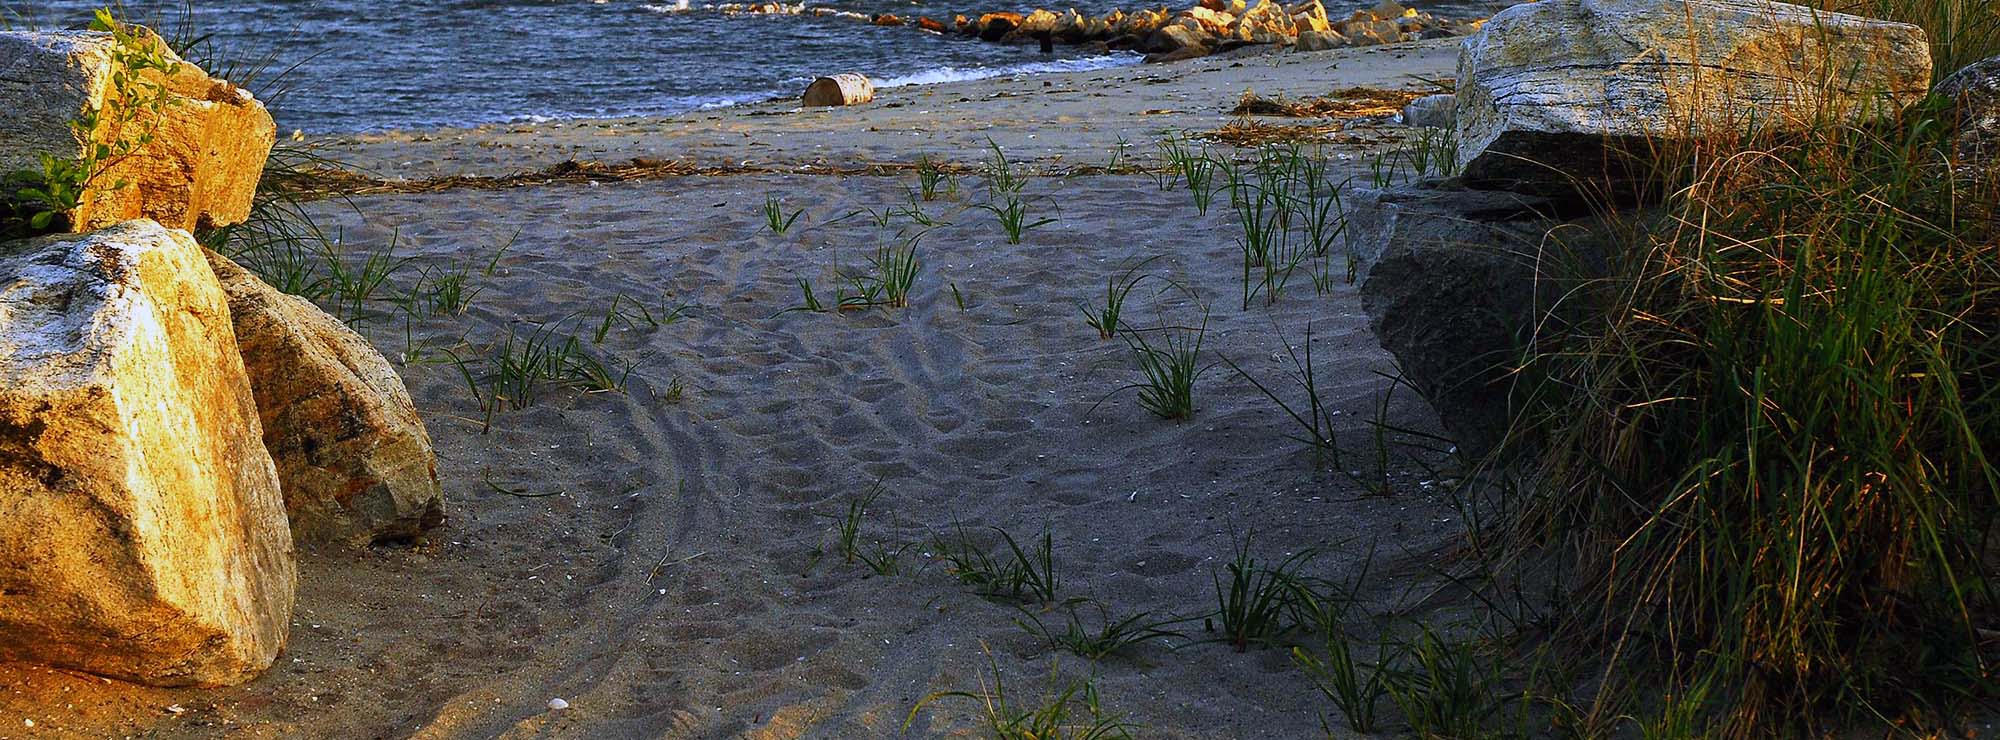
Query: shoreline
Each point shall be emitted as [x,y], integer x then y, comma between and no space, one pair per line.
[1058,119]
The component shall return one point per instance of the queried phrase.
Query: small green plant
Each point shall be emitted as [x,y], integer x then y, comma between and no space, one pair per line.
[1269,256]
[516,371]
[352,287]
[47,196]
[1312,416]
[1259,605]
[631,314]
[1444,691]
[1013,218]
[1017,573]
[914,211]
[1355,687]
[1001,177]
[1169,369]
[1108,318]
[881,558]
[1069,710]
[1099,638]
[775,217]
[847,526]
[894,273]
[933,180]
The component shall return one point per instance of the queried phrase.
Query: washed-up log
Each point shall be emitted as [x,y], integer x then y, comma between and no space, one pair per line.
[847,88]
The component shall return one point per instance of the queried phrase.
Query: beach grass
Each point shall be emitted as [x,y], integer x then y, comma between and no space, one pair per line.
[1314,415]
[1765,459]
[1069,709]
[1100,637]
[1109,317]
[1257,605]
[1169,368]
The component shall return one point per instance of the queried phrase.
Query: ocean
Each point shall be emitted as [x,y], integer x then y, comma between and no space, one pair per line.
[339,66]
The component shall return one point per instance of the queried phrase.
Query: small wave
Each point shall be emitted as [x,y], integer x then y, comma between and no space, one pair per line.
[962,74]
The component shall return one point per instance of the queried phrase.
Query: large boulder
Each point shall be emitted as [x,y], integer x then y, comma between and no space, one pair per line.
[201,146]
[1265,23]
[1974,94]
[144,532]
[1310,40]
[1456,284]
[1177,44]
[1433,111]
[1560,88]
[355,461]
[996,26]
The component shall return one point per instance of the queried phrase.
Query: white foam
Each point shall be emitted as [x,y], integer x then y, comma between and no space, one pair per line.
[962,74]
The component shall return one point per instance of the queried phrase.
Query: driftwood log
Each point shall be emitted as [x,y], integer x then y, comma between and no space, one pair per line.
[841,89]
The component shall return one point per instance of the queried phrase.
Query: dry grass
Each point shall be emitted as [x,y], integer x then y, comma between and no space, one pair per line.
[326,181]
[1352,102]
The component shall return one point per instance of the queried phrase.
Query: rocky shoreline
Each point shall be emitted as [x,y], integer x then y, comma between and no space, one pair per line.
[1164,34]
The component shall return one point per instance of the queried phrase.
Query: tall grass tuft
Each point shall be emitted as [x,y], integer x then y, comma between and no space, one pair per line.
[1767,455]
[1961,31]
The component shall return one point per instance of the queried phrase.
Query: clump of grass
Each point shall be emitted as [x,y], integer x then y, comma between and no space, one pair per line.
[1099,638]
[894,271]
[1108,318]
[1013,217]
[881,558]
[1020,574]
[352,285]
[1259,604]
[888,280]
[517,370]
[775,217]
[1069,710]
[1354,686]
[1768,447]
[1169,369]
[1188,166]
[1001,177]
[933,180]
[1443,689]
[449,290]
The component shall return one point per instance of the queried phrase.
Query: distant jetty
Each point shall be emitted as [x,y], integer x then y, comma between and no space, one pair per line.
[1163,34]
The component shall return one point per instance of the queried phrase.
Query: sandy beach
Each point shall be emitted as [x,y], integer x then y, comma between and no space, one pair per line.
[663,560]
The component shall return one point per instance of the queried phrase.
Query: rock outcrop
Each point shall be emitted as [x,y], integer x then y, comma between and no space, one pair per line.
[1455,283]
[1565,86]
[353,457]
[1433,111]
[1214,25]
[1974,94]
[144,529]
[201,146]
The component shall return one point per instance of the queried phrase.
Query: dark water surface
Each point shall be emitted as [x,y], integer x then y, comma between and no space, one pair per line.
[361,65]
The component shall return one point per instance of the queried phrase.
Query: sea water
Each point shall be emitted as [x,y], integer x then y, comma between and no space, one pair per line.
[327,66]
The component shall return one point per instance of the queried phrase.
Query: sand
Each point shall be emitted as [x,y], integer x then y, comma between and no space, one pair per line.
[659,559]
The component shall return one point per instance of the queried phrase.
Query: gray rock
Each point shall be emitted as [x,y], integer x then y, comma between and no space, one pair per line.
[1561,89]
[1975,95]
[1455,284]
[1435,111]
